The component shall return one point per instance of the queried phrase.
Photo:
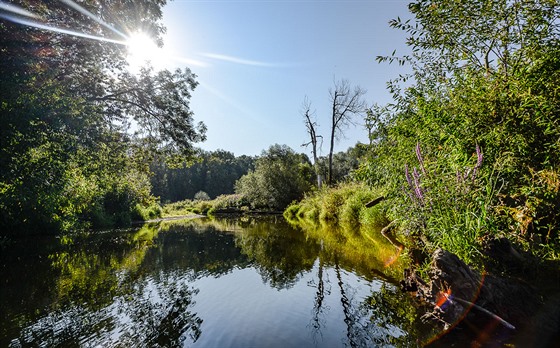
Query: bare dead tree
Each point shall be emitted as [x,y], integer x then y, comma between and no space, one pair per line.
[311,126]
[346,102]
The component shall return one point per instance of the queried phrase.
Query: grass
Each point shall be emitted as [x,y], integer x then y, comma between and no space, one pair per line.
[205,207]
[343,204]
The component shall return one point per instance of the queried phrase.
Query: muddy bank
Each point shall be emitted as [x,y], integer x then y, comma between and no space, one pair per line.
[495,305]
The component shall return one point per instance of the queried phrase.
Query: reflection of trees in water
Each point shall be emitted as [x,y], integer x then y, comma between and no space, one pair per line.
[131,289]
[385,318]
[103,286]
[158,314]
[393,318]
[280,253]
[320,310]
[153,314]
[202,249]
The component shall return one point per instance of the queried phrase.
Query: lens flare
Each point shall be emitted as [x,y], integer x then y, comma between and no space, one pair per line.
[17,10]
[90,15]
[38,25]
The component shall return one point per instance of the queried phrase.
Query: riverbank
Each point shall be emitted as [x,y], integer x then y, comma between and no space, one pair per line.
[171,218]
[508,287]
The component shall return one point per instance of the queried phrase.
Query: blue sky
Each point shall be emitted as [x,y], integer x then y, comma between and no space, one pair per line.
[257,60]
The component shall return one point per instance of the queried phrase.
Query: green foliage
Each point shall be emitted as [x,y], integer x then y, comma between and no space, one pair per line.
[201,196]
[68,157]
[292,211]
[343,204]
[180,208]
[485,74]
[229,203]
[213,172]
[344,163]
[141,213]
[280,177]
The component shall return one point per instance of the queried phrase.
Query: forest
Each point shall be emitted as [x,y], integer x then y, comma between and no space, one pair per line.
[467,152]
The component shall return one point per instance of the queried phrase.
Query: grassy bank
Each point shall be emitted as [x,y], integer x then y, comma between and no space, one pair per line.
[222,204]
[344,205]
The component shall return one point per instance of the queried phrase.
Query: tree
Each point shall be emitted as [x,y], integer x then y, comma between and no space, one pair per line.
[214,173]
[280,177]
[68,151]
[201,196]
[376,120]
[346,102]
[483,80]
[311,126]
[344,163]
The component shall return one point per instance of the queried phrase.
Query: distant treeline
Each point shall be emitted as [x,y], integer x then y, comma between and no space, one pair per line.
[214,173]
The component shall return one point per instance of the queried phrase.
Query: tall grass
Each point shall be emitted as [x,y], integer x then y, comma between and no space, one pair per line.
[343,204]
[452,209]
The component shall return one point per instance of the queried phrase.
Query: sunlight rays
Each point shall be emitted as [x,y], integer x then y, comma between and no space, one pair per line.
[23,12]
[17,10]
[90,15]
[38,25]
[141,47]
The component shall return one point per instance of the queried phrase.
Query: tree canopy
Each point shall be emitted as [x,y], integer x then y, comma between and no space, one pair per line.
[77,125]
[470,148]
[280,177]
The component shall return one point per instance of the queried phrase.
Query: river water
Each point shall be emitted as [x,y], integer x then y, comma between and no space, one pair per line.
[206,283]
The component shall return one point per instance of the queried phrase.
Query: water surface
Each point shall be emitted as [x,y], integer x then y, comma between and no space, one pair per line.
[205,283]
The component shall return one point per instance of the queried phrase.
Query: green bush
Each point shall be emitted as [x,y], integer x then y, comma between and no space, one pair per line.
[178,208]
[228,203]
[375,217]
[141,213]
[354,205]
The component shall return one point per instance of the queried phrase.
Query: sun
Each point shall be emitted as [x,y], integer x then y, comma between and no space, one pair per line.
[143,50]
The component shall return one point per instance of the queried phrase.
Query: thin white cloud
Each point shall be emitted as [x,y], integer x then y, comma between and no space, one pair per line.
[241,61]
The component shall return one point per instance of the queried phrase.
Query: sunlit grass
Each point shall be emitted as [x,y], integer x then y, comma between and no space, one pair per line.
[344,204]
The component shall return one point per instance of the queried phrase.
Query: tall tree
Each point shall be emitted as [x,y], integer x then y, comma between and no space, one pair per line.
[68,102]
[346,103]
[281,176]
[311,126]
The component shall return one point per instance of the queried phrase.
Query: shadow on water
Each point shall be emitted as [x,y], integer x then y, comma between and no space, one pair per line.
[149,287]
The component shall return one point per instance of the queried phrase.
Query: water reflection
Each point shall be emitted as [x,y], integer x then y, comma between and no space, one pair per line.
[232,282]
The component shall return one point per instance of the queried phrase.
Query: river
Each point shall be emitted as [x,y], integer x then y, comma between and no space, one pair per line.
[241,282]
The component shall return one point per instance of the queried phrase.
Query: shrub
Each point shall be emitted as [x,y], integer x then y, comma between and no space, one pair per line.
[201,196]
[344,204]
[142,213]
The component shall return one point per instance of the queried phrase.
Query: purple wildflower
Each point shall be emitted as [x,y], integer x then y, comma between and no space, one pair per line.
[479,156]
[407,176]
[417,188]
[408,194]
